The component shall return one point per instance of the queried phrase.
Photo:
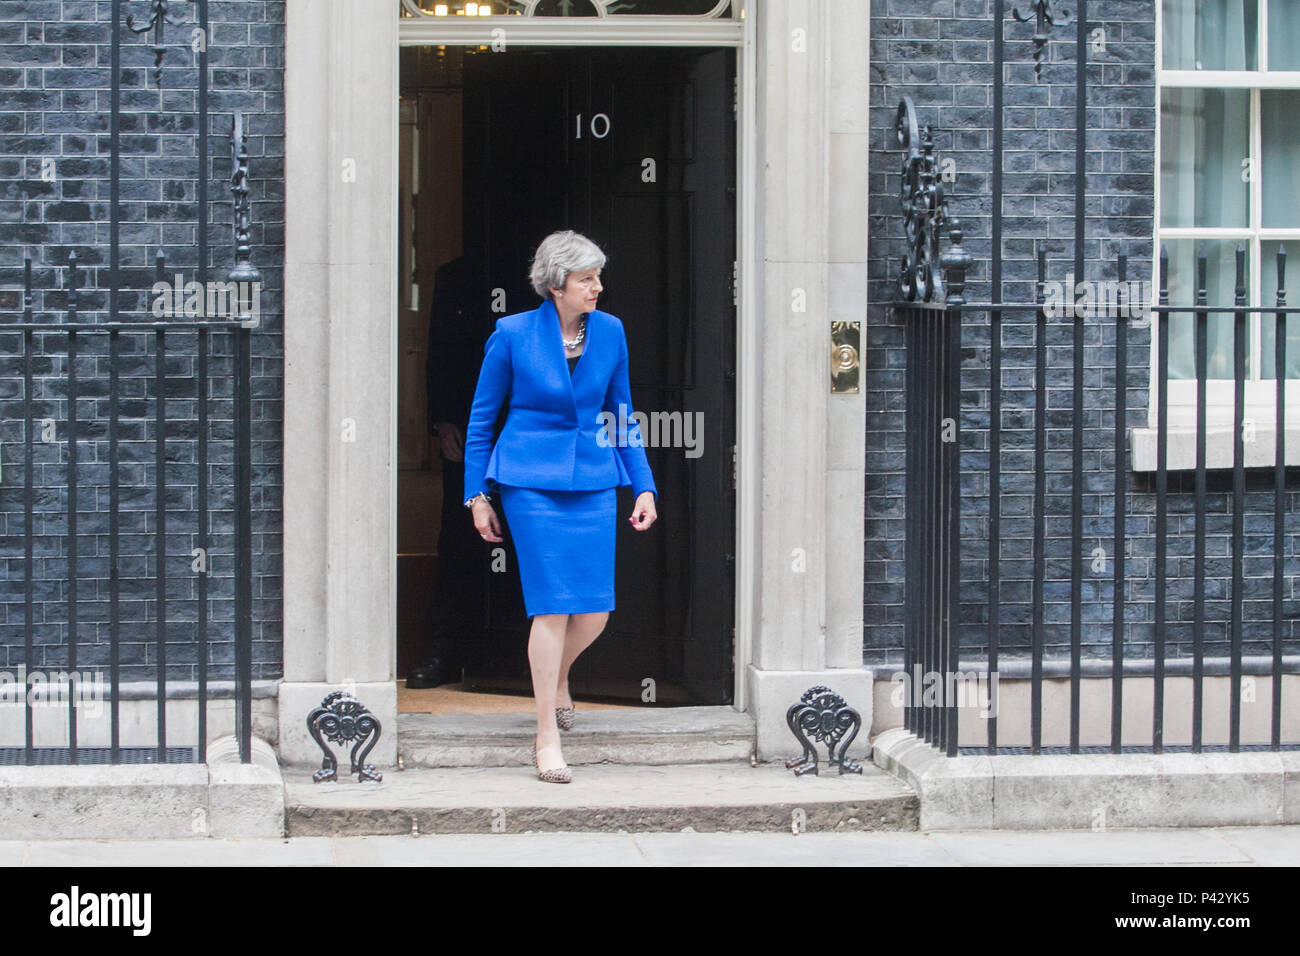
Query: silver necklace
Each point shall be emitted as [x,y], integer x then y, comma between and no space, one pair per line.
[582,334]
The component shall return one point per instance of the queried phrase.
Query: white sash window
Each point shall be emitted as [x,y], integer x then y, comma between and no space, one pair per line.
[1228,161]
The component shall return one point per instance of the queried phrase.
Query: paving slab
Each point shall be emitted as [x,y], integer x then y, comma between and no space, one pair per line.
[1112,847]
[200,852]
[706,797]
[806,849]
[1267,846]
[466,849]
[12,852]
[1159,847]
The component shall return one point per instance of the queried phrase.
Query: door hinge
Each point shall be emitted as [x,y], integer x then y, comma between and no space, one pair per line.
[735,282]
[733,467]
[735,96]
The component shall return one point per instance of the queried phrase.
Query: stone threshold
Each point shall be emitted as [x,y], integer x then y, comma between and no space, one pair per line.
[641,736]
[1093,791]
[604,798]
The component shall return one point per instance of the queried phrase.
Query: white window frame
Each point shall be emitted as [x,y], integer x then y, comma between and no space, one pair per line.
[1261,395]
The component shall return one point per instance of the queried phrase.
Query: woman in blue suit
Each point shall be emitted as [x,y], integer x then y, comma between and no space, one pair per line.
[568,442]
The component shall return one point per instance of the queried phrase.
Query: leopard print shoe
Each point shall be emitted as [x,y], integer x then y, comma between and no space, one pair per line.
[564,717]
[555,775]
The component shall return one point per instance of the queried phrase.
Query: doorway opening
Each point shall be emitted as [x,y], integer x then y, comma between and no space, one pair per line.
[635,148]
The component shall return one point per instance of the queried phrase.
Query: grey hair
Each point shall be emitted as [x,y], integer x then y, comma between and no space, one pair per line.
[559,254]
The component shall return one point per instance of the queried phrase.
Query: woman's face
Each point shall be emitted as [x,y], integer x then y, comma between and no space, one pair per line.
[581,289]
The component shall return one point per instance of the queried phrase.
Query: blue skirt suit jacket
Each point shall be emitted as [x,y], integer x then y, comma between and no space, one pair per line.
[555,464]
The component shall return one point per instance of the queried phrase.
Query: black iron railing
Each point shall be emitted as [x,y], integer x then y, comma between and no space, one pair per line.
[960,605]
[208,406]
[937,591]
[174,394]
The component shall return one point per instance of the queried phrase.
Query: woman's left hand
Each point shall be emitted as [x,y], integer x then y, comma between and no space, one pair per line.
[643,512]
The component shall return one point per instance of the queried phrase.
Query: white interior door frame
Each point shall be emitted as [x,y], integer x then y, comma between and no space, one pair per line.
[500,34]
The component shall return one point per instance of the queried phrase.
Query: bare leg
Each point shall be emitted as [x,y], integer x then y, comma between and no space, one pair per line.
[546,646]
[583,629]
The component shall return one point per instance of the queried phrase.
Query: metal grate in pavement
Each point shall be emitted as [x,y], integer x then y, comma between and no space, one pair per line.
[62,756]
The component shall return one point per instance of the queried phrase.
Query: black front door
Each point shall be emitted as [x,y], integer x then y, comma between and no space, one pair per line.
[634,148]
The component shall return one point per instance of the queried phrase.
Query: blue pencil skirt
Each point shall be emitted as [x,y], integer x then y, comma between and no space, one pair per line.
[564,542]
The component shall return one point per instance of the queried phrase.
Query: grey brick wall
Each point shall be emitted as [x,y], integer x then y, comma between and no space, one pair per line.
[54,118]
[939,52]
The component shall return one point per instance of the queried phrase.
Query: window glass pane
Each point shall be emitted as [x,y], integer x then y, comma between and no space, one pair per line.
[592,8]
[1268,321]
[1204,139]
[562,8]
[1284,35]
[1220,284]
[1280,170]
[1211,34]
[577,8]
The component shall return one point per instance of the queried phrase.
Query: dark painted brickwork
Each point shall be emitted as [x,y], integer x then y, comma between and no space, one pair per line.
[54,117]
[939,52]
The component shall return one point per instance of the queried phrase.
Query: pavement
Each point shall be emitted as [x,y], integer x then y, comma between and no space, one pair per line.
[1220,847]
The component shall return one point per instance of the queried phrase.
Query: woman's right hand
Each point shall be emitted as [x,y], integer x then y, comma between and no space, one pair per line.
[486,522]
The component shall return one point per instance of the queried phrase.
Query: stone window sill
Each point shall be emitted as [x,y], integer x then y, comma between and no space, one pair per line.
[1260,451]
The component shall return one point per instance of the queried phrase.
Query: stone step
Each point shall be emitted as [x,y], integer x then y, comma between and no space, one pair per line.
[642,736]
[708,797]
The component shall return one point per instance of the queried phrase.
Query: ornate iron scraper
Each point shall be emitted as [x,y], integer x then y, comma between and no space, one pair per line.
[823,714]
[341,718]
